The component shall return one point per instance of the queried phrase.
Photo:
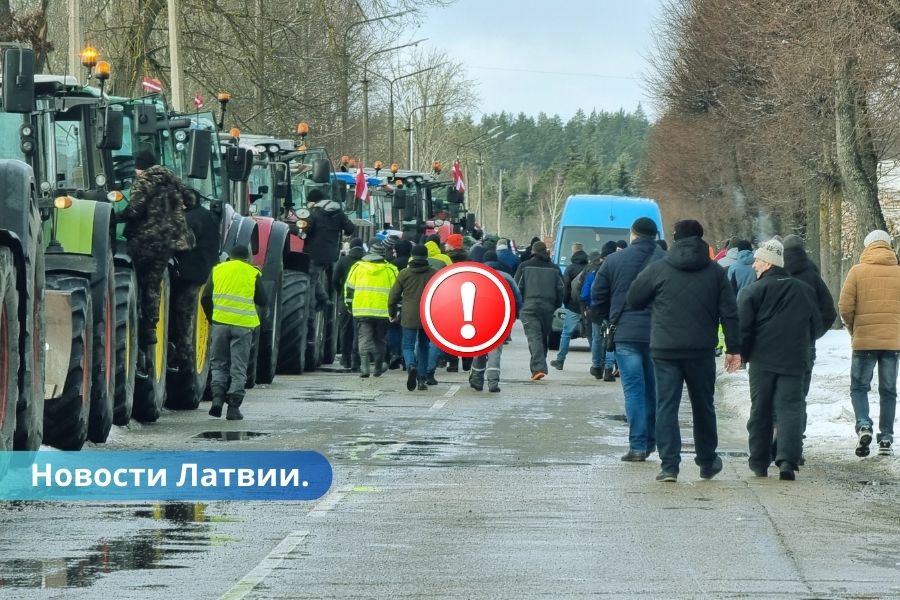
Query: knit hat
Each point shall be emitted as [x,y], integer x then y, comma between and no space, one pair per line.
[376,246]
[645,227]
[391,241]
[539,248]
[455,241]
[239,252]
[688,228]
[490,256]
[594,256]
[356,243]
[403,248]
[877,236]
[771,252]
[745,245]
[419,251]
[608,248]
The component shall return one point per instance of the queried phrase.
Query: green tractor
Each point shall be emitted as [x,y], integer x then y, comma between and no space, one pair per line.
[424,204]
[21,264]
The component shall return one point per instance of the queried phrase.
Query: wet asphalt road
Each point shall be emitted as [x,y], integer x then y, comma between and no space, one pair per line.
[454,493]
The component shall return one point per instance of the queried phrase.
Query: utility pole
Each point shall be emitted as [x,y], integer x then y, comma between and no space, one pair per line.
[409,129]
[500,202]
[74,38]
[260,60]
[175,57]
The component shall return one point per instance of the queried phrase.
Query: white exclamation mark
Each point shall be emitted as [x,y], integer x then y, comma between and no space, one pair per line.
[467,291]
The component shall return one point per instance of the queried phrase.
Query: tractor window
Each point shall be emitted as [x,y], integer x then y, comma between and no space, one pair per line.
[10,145]
[69,159]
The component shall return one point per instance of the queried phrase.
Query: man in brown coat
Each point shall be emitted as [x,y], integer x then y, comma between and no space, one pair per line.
[870,308]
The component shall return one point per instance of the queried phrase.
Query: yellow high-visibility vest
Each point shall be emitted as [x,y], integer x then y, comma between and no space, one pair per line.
[234,285]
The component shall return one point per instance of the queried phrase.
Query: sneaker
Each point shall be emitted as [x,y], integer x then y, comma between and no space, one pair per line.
[667,477]
[710,471]
[634,456]
[538,376]
[422,387]
[865,438]
[651,449]
[597,372]
[494,388]
[884,448]
[431,380]
[786,472]
[411,379]
[557,364]
[608,375]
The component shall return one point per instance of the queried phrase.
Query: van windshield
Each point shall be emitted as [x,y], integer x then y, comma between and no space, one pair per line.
[592,238]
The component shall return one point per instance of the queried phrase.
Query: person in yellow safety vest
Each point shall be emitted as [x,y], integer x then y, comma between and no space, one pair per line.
[366,295]
[229,300]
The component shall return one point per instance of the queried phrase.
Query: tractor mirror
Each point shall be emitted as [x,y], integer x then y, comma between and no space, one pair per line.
[339,191]
[455,197]
[400,200]
[18,80]
[281,190]
[321,170]
[109,129]
[238,163]
[145,119]
[199,154]
[262,190]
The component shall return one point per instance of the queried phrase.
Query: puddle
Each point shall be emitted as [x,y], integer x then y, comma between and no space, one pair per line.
[147,549]
[229,436]
[335,395]
[621,418]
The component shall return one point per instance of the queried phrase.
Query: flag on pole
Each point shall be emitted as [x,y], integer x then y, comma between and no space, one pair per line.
[198,101]
[457,173]
[362,186]
[150,84]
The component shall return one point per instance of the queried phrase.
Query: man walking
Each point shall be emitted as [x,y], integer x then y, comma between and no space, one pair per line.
[366,293]
[346,327]
[690,295]
[541,285]
[229,300]
[870,308]
[571,303]
[405,298]
[779,321]
[631,333]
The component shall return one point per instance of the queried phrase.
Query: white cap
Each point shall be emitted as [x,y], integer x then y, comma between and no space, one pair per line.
[877,236]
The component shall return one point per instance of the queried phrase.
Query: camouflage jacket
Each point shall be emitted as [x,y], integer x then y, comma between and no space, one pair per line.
[154,216]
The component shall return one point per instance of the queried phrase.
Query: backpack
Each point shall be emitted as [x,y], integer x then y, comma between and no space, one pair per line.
[577,284]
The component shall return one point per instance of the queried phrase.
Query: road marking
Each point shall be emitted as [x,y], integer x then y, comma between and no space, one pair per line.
[331,500]
[452,391]
[271,562]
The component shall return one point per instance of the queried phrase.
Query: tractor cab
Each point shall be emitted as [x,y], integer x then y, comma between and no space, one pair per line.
[424,204]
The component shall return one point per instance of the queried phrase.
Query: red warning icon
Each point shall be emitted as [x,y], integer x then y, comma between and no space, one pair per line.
[467,309]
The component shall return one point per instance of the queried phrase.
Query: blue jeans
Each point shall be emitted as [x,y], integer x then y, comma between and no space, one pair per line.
[599,358]
[639,385]
[416,347]
[700,376]
[569,324]
[861,367]
[394,339]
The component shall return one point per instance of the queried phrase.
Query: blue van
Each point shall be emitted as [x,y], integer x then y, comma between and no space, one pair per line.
[593,221]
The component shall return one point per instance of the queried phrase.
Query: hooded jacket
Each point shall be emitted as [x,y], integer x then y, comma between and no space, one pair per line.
[342,268]
[741,273]
[406,293]
[730,257]
[154,218]
[368,287]
[798,265]
[327,222]
[870,300]
[508,259]
[541,284]
[434,252]
[459,255]
[690,295]
[779,322]
[578,264]
[196,264]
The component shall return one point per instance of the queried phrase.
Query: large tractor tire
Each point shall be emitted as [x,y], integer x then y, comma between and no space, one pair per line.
[187,388]
[251,363]
[30,414]
[150,392]
[126,343]
[294,307]
[9,350]
[269,335]
[66,417]
[104,348]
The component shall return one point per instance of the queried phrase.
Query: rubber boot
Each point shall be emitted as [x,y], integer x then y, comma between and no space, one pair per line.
[364,365]
[218,401]
[234,411]
[142,370]
[380,366]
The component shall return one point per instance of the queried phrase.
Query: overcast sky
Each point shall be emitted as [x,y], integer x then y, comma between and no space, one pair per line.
[590,53]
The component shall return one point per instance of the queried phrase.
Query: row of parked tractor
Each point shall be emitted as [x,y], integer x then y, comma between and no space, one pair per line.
[69,301]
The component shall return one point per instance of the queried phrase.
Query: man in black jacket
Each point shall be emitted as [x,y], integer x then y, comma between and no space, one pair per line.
[779,321]
[346,327]
[690,295]
[571,304]
[541,285]
[632,334]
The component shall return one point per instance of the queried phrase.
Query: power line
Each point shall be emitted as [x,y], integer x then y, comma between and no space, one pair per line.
[569,74]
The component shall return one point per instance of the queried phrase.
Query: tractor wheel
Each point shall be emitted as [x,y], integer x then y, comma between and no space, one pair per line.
[30,416]
[187,388]
[150,392]
[251,364]
[294,306]
[104,347]
[66,417]
[126,343]
[9,349]
[267,357]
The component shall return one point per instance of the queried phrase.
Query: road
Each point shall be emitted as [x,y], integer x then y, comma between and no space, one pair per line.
[452,493]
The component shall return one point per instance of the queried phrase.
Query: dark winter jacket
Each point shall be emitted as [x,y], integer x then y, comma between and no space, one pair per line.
[154,218]
[323,235]
[578,264]
[690,295]
[407,291]
[476,253]
[779,322]
[610,286]
[342,269]
[512,283]
[458,255]
[798,265]
[196,264]
[741,273]
[509,260]
[541,284]
[402,251]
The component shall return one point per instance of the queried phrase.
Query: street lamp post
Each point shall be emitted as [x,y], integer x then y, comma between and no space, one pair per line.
[365,82]
[409,129]
[480,163]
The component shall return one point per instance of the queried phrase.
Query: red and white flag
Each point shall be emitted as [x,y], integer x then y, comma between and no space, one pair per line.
[362,186]
[150,84]
[457,173]
[198,101]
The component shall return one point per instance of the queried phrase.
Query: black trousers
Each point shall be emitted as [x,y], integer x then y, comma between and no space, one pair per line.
[775,396]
